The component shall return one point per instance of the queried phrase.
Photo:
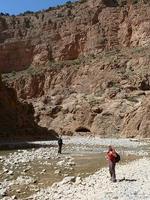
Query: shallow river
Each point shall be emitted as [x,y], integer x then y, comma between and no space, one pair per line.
[24,172]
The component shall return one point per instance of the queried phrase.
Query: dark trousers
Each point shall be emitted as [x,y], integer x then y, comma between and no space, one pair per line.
[59,148]
[112,170]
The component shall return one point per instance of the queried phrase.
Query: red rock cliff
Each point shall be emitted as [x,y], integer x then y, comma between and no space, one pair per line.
[71,31]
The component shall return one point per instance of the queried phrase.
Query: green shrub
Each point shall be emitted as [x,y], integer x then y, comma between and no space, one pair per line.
[28,12]
[132,99]
[69,13]
[68,2]
[59,15]
[135,1]
[27,23]
[83,1]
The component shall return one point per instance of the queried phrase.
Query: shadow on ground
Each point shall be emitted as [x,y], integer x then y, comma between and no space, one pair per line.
[24,145]
[126,179]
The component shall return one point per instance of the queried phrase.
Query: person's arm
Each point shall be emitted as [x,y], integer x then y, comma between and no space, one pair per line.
[108,155]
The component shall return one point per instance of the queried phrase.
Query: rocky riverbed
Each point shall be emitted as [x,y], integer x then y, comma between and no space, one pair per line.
[40,173]
[133,183]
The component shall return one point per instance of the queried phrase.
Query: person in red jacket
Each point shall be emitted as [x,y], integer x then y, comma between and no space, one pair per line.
[111,156]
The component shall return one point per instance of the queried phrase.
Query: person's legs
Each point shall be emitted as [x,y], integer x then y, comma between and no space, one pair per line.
[112,171]
[59,148]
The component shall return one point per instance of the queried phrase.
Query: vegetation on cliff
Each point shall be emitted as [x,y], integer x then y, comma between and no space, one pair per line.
[84,66]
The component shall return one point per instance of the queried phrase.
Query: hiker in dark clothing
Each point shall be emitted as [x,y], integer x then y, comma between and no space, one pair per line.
[60,143]
[111,157]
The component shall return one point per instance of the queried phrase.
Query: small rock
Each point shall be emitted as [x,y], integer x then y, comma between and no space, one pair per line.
[66,175]
[68,179]
[2,192]
[5,170]
[54,185]
[14,197]
[71,164]
[57,172]
[60,163]
[10,172]
[27,169]
[1,158]
[115,197]
[78,180]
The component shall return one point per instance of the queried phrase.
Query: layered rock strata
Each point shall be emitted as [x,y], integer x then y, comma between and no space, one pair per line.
[90,95]
[90,65]
[73,30]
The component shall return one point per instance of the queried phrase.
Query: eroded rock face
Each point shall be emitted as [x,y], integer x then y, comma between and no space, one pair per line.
[137,122]
[133,29]
[90,65]
[71,31]
[15,56]
[17,119]
[92,95]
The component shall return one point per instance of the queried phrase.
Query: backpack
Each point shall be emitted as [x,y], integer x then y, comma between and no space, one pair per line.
[117,158]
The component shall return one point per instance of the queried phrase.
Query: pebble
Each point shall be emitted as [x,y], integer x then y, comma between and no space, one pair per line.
[10,173]
[5,170]
[14,197]
[78,180]
[57,172]
[68,179]
[75,187]
[2,192]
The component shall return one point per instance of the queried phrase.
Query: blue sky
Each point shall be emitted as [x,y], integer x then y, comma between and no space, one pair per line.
[19,6]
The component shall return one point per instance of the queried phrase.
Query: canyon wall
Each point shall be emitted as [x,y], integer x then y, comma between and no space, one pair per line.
[17,119]
[85,67]
[73,30]
[89,95]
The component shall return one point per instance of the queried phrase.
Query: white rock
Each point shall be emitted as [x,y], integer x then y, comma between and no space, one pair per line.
[10,172]
[2,192]
[71,164]
[78,180]
[54,185]
[66,175]
[68,179]
[60,163]
[14,197]
[57,172]
[5,170]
